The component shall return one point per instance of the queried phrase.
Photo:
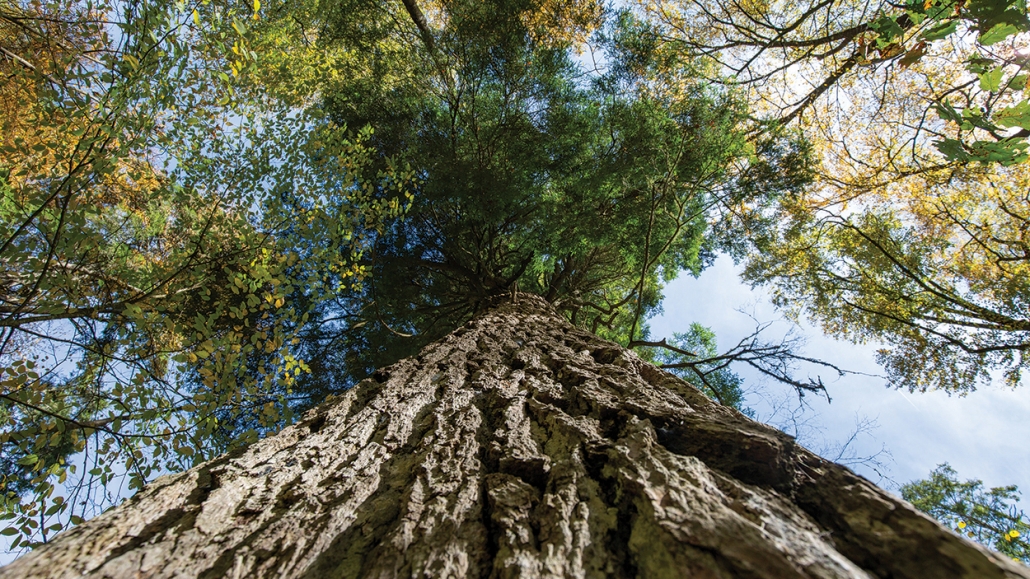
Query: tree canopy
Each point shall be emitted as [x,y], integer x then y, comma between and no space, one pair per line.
[913,232]
[147,248]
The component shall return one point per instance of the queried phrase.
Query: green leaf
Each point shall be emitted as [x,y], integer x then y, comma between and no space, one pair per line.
[28,460]
[888,28]
[991,80]
[915,16]
[952,149]
[948,112]
[1006,152]
[1017,115]
[997,33]
[940,31]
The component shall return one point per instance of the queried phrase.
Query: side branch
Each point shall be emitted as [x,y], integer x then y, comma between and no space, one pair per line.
[661,344]
[420,22]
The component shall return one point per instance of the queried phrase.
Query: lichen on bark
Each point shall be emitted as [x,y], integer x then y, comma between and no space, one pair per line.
[517,446]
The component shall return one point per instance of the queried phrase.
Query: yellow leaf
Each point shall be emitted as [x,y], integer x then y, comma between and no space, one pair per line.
[196,17]
[1013,534]
[961,524]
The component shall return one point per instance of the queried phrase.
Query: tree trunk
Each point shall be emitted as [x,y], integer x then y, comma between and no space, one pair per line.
[517,446]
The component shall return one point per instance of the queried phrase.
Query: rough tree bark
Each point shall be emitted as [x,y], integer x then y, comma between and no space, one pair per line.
[518,446]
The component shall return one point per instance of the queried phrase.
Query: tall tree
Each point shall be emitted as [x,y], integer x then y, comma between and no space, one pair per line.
[518,445]
[533,174]
[519,177]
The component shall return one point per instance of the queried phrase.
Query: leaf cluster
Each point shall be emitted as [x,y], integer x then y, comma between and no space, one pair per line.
[158,211]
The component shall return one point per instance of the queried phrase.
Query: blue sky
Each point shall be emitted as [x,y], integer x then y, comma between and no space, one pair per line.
[982,435]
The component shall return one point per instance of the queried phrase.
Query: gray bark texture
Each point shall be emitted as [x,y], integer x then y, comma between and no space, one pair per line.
[517,446]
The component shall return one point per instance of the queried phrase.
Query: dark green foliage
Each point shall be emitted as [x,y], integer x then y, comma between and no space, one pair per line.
[591,190]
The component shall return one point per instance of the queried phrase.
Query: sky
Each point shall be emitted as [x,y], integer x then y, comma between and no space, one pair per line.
[981,435]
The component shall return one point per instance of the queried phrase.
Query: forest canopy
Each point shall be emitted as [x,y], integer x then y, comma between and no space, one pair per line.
[215,215]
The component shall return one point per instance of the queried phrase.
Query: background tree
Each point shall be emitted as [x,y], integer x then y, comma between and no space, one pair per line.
[698,358]
[990,517]
[153,222]
[913,231]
